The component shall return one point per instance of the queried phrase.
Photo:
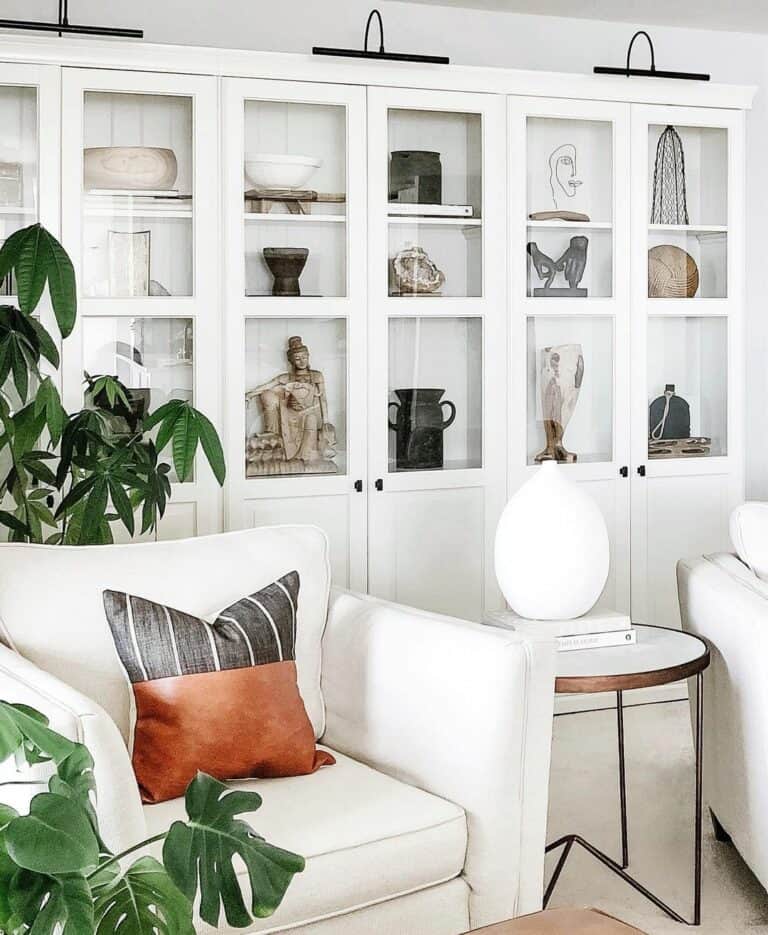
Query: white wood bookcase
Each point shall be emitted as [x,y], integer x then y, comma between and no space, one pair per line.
[405,532]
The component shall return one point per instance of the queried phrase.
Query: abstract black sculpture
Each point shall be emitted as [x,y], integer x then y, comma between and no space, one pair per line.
[571,264]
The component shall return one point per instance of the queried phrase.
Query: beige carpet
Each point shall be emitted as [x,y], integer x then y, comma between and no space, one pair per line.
[584,799]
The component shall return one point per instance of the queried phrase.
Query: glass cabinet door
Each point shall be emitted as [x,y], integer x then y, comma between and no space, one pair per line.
[295,291]
[29,144]
[437,351]
[139,192]
[569,314]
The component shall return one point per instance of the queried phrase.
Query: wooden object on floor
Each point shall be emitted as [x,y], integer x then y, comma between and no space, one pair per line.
[562,922]
[260,201]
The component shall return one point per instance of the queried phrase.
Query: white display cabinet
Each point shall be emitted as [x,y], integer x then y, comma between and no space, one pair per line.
[140,202]
[295,294]
[436,197]
[687,353]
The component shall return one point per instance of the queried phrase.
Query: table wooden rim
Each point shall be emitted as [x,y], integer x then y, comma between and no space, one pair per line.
[586,684]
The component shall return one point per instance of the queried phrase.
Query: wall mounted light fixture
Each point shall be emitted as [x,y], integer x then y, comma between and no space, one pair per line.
[63,25]
[651,72]
[380,54]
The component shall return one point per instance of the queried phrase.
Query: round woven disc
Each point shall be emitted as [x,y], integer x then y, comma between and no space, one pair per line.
[672,273]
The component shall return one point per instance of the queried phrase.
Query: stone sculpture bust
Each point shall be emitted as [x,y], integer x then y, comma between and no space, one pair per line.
[296,436]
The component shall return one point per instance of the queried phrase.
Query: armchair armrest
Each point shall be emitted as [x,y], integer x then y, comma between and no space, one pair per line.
[121,819]
[460,710]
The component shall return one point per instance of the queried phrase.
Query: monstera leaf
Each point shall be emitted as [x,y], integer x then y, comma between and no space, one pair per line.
[202,850]
[55,837]
[42,904]
[142,901]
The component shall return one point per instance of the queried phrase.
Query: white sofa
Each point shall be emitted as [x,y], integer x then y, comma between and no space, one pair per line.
[724,598]
[433,819]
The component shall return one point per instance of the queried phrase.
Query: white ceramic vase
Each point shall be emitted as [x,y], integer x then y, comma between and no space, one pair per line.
[552,552]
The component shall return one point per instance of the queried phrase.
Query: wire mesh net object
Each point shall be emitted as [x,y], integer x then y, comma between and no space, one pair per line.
[669,204]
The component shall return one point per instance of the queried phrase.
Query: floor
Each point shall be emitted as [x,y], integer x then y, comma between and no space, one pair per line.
[584,798]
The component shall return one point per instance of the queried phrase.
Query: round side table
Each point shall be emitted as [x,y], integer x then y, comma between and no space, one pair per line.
[660,656]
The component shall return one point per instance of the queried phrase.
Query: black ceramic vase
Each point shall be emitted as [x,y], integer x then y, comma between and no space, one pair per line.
[419,427]
[286,265]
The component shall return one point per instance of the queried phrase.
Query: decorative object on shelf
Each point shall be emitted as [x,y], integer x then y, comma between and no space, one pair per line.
[405,209]
[563,180]
[560,377]
[381,54]
[296,436]
[414,273]
[672,273]
[557,216]
[669,205]
[697,446]
[63,25]
[286,265]
[11,184]
[261,200]
[419,427]
[138,168]
[551,551]
[415,176]
[157,288]
[651,72]
[280,170]
[129,263]
[571,264]
[669,416]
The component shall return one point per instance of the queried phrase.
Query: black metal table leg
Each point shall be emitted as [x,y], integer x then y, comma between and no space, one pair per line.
[568,840]
[622,781]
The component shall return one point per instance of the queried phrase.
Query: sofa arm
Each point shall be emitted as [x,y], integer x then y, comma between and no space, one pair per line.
[461,710]
[121,818]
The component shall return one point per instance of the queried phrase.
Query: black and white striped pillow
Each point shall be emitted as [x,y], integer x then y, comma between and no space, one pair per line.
[154,641]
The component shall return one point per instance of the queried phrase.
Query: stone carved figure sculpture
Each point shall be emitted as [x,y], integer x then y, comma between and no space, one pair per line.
[296,437]
[561,375]
[563,180]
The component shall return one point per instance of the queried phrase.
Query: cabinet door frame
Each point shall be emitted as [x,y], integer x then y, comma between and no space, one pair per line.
[200,497]
[731,465]
[615,307]
[489,308]
[242,491]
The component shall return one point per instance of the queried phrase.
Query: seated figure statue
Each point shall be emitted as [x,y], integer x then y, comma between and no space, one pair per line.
[296,437]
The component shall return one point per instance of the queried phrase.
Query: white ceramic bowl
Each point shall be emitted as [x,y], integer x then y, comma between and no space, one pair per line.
[279,170]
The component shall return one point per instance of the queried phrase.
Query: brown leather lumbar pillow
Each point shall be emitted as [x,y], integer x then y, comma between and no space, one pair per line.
[219,697]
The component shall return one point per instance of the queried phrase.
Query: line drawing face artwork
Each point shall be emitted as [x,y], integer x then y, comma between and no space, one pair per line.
[563,178]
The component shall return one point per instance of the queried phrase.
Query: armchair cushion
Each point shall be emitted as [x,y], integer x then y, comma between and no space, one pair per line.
[749,535]
[366,838]
[52,612]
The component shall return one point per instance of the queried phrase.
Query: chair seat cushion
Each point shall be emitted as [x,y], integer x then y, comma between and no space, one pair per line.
[749,534]
[366,838]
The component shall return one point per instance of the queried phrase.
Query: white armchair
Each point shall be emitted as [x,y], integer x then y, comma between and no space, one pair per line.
[723,599]
[433,819]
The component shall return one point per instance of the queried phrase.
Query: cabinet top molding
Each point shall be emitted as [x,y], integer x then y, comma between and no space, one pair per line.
[238,63]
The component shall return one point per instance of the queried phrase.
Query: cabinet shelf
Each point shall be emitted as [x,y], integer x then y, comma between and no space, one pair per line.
[697,230]
[297,218]
[442,222]
[567,225]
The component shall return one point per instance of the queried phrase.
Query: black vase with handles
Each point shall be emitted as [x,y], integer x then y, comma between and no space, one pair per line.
[419,427]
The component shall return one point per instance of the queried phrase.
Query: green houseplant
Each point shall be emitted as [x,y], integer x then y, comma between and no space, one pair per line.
[67,477]
[57,876]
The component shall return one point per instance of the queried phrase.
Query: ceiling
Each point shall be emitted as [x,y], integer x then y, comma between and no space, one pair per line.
[733,15]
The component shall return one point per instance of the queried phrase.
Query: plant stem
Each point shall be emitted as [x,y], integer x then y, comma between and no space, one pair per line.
[130,850]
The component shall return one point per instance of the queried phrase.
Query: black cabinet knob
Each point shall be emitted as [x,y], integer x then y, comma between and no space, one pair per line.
[379,485]
[624,471]
[359,486]
[641,470]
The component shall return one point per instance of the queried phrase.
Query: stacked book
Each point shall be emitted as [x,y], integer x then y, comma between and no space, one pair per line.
[594,630]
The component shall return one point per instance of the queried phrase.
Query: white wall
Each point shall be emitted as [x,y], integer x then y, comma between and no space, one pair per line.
[472,37]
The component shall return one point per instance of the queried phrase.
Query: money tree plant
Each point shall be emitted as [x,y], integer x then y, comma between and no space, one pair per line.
[58,877]
[68,477]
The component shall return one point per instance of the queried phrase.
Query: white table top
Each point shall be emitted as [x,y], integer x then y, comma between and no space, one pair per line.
[656,652]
